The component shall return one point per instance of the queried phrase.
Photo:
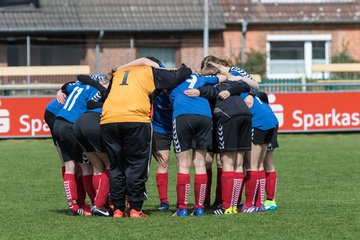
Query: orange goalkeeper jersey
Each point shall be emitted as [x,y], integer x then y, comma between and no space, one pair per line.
[129,97]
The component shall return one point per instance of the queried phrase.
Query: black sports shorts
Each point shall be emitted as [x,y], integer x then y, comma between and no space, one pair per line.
[87,132]
[262,136]
[162,141]
[69,146]
[274,142]
[49,118]
[192,131]
[234,134]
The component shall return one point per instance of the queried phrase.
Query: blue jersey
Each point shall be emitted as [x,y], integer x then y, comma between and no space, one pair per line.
[54,106]
[96,98]
[183,104]
[162,117]
[76,101]
[236,71]
[263,117]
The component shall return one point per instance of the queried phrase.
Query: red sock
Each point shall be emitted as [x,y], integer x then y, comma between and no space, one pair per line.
[271,182]
[162,186]
[218,184]
[81,193]
[227,182]
[63,171]
[251,185]
[71,190]
[208,186]
[95,181]
[261,189]
[183,190]
[200,190]
[237,188]
[103,191]
[89,188]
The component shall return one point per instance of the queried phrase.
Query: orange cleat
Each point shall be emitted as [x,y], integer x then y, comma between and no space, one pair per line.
[137,214]
[119,214]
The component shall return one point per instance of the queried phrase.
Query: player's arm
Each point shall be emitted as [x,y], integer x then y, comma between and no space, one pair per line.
[170,78]
[93,104]
[67,87]
[208,92]
[252,83]
[144,61]
[86,79]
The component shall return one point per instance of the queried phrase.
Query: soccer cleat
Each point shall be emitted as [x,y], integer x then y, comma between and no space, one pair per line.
[222,211]
[181,213]
[246,209]
[260,209]
[216,205]
[270,205]
[119,214]
[198,212]
[79,212]
[163,207]
[102,212]
[137,214]
[234,209]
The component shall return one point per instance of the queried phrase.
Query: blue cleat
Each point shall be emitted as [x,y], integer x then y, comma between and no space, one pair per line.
[198,212]
[181,213]
[163,207]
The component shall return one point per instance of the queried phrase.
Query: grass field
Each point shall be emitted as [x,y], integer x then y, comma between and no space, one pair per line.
[318,197]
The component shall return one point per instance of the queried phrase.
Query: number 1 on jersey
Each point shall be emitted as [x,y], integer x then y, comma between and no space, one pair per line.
[125,78]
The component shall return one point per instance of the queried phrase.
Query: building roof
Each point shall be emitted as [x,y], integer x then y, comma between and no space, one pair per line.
[110,15]
[316,11]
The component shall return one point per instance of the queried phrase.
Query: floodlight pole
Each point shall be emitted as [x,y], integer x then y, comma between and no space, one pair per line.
[206,28]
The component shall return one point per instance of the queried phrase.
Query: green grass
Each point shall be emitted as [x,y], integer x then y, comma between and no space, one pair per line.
[318,194]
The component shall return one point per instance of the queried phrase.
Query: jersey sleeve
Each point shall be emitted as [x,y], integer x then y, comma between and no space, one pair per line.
[211,80]
[236,71]
[168,79]
[86,79]
[237,87]
[208,92]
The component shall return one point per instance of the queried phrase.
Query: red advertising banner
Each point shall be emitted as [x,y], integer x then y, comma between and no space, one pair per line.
[317,111]
[22,117]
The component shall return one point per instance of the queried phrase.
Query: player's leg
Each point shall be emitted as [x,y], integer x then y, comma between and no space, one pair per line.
[163,143]
[112,140]
[208,160]
[182,142]
[137,152]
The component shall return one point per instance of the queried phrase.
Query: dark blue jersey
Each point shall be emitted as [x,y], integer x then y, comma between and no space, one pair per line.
[162,117]
[183,104]
[75,105]
[54,106]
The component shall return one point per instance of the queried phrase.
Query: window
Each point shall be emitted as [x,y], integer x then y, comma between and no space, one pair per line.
[291,56]
[165,55]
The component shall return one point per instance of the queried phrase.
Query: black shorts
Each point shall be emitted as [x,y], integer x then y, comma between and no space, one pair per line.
[274,142]
[262,136]
[49,118]
[69,146]
[87,132]
[162,141]
[234,134]
[191,131]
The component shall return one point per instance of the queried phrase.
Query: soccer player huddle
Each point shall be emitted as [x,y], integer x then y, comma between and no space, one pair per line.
[107,127]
